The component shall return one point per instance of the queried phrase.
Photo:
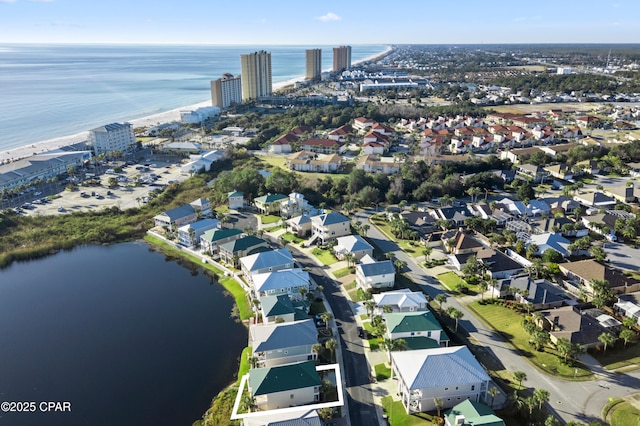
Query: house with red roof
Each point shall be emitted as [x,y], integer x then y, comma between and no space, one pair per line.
[283,145]
[323,146]
[361,124]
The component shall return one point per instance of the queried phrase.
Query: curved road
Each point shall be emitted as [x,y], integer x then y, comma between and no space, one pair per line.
[570,401]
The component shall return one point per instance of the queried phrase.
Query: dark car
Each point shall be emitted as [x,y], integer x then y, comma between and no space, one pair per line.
[361,333]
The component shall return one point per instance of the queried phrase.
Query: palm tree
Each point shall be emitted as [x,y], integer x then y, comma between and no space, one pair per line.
[455,314]
[530,402]
[248,402]
[399,264]
[483,286]
[493,392]
[350,258]
[302,291]
[607,339]
[370,305]
[331,345]
[317,348]
[520,376]
[427,252]
[365,227]
[441,298]
[542,396]
[627,336]
[326,317]
[439,404]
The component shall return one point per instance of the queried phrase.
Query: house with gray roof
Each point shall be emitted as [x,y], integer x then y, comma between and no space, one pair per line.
[373,275]
[300,225]
[234,251]
[540,294]
[495,263]
[450,373]
[595,199]
[267,261]
[420,330]
[354,244]
[568,323]
[403,300]
[283,343]
[550,241]
[189,235]
[471,413]
[302,417]
[211,240]
[328,226]
[175,218]
[284,386]
[286,281]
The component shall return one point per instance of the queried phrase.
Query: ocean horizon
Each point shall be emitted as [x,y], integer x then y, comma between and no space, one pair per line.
[56,90]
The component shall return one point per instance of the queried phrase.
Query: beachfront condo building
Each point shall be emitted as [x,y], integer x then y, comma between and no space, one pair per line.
[226,91]
[111,137]
[314,64]
[341,58]
[256,75]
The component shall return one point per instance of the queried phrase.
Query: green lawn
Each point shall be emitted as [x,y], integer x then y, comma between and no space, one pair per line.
[398,416]
[244,362]
[624,414]
[325,256]
[382,371]
[269,218]
[450,280]
[619,356]
[410,247]
[509,324]
[292,238]
[342,272]
[230,284]
[374,344]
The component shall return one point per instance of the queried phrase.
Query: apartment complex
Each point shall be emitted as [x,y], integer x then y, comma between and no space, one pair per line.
[341,58]
[256,75]
[314,64]
[111,137]
[226,91]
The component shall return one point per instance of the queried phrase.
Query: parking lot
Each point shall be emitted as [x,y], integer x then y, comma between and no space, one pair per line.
[126,195]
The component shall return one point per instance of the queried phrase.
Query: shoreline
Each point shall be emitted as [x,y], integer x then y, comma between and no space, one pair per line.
[53,144]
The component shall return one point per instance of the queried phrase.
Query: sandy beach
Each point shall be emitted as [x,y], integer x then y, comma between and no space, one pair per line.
[151,120]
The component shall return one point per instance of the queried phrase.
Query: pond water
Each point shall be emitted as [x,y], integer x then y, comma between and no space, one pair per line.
[125,334]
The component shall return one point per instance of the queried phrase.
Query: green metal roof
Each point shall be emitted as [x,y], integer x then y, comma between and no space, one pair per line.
[243,244]
[282,378]
[235,194]
[475,413]
[220,234]
[420,342]
[270,198]
[403,322]
[276,305]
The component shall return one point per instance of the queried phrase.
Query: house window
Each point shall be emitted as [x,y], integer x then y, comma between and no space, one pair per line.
[412,333]
[291,396]
[446,388]
[473,387]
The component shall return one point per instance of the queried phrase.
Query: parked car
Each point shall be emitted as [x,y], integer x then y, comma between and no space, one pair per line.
[361,333]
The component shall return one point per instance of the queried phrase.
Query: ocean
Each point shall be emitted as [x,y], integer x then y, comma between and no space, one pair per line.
[50,91]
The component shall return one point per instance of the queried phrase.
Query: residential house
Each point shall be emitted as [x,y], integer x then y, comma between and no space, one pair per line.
[538,208]
[466,243]
[373,275]
[382,129]
[285,385]
[295,205]
[519,155]
[602,223]
[284,144]
[236,200]
[420,330]
[595,199]
[372,148]
[307,161]
[623,193]
[174,218]
[550,241]
[451,374]
[323,146]
[341,134]
[562,225]
[540,293]
[455,215]
[235,250]
[270,203]
[328,226]
[583,273]
[496,264]
[375,164]
[354,244]
[277,309]
[517,208]
[304,416]
[535,174]
[568,323]
[403,300]
[361,124]
[560,171]
[189,235]
[267,261]
[283,343]
[201,206]
[300,225]
[285,281]
[627,309]
[211,240]
[470,413]
[377,138]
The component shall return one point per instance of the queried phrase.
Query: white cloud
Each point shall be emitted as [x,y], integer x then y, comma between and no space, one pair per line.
[329,17]
[7,1]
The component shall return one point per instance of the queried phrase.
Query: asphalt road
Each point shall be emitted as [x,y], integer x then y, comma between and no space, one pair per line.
[362,411]
[570,401]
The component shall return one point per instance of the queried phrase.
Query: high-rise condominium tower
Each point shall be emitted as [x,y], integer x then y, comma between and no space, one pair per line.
[256,75]
[341,58]
[314,64]
[226,91]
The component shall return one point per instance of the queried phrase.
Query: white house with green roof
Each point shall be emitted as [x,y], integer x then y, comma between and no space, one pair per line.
[277,308]
[283,343]
[420,330]
[236,200]
[232,252]
[270,203]
[285,385]
[213,238]
[452,374]
[471,413]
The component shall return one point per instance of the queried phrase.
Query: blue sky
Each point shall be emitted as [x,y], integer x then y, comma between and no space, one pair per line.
[263,22]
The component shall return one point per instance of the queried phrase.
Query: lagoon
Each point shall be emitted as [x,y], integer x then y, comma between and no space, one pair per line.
[123,333]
